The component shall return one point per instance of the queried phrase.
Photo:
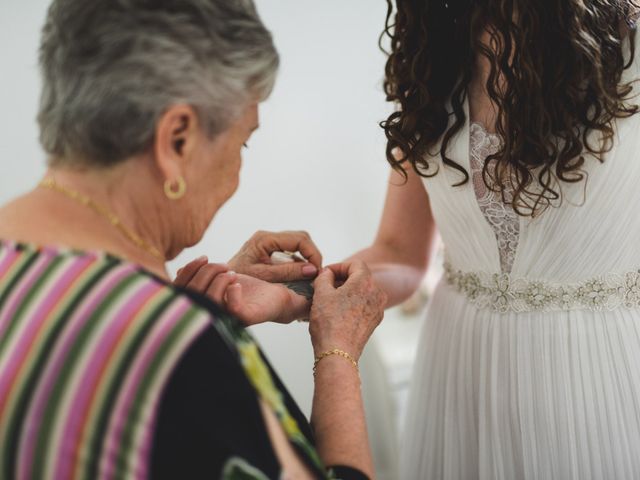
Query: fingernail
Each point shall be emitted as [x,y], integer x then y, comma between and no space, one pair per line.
[203,258]
[179,271]
[231,272]
[309,270]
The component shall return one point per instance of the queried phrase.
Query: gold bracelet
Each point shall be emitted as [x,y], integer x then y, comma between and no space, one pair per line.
[335,351]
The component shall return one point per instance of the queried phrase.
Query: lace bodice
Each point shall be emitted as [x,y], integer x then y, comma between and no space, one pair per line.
[583,252]
[504,221]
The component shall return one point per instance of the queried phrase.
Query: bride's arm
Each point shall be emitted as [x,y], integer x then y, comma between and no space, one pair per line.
[399,256]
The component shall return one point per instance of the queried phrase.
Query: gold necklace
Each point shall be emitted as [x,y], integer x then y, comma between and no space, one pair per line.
[51,184]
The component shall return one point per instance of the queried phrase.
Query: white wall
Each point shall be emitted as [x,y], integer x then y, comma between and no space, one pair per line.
[21,159]
[317,162]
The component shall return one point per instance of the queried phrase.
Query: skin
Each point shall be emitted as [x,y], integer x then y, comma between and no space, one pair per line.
[248,298]
[399,255]
[347,307]
[254,256]
[133,191]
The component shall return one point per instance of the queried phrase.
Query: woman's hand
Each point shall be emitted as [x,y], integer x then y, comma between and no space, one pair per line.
[347,307]
[254,258]
[251,300]
[342,317]
[255,301]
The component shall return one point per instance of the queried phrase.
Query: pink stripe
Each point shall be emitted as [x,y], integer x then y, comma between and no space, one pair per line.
[93,371]
[8,257]
[58,357]
[121,412]
[63,283]
[21,346]
[26,284]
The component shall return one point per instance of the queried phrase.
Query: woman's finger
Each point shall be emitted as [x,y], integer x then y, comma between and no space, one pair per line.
[219,286]
[292,242]
[340,270]
[205,275]
[234,299]
[285,272]
[349,273]
[310,251]
[324,283]
[186,273]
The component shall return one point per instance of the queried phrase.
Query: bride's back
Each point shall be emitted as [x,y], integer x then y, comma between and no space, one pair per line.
[564,165]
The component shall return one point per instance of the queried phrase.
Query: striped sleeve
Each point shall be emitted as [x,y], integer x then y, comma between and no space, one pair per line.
[87,343]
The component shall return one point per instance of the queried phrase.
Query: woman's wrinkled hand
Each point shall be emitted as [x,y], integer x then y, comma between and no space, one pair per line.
[254,258]
[347,307]
[251,300]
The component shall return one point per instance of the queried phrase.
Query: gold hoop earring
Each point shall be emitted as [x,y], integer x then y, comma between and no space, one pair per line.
[173,191]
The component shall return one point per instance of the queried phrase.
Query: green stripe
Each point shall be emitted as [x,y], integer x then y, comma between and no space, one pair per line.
[229,330]
[15,273]
[74,359]
[233,332]
[19,270]
[149,380]
[107,401]
[93,277]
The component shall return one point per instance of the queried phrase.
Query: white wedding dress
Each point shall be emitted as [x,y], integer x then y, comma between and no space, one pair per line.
[529,362]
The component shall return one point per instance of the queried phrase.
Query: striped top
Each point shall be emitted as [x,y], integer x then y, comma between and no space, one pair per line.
[89,345]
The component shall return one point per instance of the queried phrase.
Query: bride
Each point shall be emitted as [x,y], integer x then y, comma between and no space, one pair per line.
[516,134]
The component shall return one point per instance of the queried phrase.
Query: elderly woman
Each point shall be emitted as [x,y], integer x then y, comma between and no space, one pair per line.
[107,368]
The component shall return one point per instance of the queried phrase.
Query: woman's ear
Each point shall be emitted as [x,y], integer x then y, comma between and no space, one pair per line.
[176,138]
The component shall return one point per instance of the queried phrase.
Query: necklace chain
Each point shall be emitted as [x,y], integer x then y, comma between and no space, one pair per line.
[113,219]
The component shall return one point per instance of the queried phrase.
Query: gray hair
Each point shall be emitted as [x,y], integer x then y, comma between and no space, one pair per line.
[111,68]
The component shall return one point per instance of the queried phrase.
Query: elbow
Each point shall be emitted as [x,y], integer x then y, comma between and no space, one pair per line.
[395,253]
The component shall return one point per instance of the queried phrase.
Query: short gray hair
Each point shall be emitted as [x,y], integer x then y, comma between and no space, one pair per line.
[111,68]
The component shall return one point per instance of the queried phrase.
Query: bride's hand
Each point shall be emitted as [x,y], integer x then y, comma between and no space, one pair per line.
[251,300]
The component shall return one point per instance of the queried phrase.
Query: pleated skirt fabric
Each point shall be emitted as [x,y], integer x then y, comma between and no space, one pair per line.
[523,396]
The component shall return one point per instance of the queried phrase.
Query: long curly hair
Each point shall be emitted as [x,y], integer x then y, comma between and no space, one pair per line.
[555,78]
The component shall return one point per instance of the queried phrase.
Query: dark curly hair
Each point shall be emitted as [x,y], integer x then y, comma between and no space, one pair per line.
[560,63]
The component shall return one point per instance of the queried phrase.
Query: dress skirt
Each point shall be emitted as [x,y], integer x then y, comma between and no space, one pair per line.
[523,396]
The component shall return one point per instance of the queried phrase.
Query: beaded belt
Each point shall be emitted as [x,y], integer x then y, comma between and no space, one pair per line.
[502,292]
